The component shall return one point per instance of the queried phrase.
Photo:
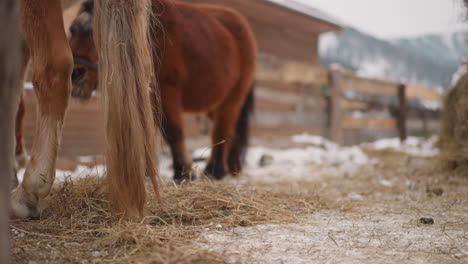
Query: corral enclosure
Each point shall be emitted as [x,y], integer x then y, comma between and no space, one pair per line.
[293,94]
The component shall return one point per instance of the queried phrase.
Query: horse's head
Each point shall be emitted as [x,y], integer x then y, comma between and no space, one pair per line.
[84,76]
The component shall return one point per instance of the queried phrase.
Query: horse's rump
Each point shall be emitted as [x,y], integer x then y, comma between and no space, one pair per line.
[209,58]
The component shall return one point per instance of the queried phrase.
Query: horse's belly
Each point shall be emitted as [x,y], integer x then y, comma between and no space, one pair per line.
[205,98]
[207,88]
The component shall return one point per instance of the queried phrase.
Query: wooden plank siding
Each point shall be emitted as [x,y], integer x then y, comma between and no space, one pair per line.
[280,31]
[352,82]
[414,91]
[369,123]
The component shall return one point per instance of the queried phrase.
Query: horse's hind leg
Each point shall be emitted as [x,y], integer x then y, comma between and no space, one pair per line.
[51,66]
[20,151]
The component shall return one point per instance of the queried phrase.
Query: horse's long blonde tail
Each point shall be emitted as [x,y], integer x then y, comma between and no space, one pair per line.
[125,73]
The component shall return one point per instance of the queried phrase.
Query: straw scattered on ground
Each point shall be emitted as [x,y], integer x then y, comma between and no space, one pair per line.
[319,216]
[77,225]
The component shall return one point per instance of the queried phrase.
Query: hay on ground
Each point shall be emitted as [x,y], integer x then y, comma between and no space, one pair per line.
[77,226]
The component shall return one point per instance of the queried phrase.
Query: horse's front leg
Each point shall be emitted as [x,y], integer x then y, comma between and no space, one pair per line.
[173,132]
[51,60]
[224,124]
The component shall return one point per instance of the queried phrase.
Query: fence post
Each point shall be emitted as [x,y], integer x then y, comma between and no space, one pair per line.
[335,114]
[402,112]
[424,120]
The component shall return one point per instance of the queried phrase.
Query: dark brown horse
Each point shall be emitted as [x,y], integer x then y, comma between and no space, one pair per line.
[206,64]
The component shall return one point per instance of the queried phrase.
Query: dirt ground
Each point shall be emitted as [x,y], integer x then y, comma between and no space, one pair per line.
[370,216]
[284,211]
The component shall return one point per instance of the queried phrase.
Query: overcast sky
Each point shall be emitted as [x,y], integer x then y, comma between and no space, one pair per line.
[396,18]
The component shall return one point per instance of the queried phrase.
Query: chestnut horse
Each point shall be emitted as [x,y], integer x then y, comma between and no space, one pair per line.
[125,76]
[207,66]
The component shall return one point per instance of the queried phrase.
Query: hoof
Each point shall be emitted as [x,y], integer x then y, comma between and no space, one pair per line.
[215,172]
[24,205]
[184,178]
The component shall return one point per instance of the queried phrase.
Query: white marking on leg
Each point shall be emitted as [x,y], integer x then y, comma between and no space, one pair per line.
[40,171]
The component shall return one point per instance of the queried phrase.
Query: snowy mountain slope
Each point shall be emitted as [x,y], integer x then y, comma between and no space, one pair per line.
[447,48]
[430,61]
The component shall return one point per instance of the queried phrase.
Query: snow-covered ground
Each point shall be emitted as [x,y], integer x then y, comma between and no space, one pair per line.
[312,157]
[79,173]
[412,146]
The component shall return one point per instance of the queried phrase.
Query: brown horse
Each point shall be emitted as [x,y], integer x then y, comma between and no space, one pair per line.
[125,76]
[206,65]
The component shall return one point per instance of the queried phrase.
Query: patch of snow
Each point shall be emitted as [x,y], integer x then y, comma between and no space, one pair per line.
[412,145]
[355,196]
[79,173]
[314,140]
[17,233]
[327,41]
[303,163]
[431,105]
[385,183]
[28,85]
[317,156]
[376,68]
[314,157]
[204,153]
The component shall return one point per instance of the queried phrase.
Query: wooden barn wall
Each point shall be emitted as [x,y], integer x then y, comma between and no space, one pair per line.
[279,31]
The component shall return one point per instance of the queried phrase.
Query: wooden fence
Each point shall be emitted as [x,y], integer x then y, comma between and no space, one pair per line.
[340,105]
[291,98]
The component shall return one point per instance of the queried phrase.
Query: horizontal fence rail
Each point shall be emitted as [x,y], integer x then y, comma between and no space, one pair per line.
[291,98]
